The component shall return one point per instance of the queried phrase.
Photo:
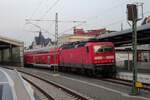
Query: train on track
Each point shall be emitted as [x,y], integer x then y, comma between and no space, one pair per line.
[89,57]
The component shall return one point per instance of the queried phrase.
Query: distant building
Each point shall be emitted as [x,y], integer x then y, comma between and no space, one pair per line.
[40,41]
[71,38]
[78,35]
[81,34]
[95,32]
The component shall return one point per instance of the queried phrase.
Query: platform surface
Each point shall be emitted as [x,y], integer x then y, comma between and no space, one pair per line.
[13,87]
[143,77]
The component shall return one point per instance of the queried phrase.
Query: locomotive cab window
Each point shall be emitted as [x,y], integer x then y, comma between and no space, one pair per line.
[102,49]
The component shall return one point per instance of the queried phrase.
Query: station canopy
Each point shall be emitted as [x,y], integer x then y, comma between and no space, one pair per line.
[6,42]
[122,38]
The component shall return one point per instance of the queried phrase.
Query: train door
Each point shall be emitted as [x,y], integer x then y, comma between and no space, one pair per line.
[86,55]
[49,65]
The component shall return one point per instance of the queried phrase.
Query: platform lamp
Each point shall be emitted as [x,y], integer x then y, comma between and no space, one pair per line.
[134,16]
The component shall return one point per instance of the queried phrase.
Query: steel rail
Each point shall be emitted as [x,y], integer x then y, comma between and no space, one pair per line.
[80,97]
[40,89]
[126,82]
[67,90]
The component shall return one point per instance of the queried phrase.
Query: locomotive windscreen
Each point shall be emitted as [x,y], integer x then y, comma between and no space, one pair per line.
[102,49]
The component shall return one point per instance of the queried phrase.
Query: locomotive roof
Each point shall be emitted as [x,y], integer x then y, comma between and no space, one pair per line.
[81,43]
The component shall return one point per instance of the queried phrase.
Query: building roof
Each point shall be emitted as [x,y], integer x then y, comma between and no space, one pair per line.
[6,42]
[93,32]
[41,40]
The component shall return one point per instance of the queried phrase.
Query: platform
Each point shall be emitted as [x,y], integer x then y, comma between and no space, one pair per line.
[13,87]
[143,77]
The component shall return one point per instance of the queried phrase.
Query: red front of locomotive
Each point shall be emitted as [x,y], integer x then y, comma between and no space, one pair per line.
[103,53]
[103,57]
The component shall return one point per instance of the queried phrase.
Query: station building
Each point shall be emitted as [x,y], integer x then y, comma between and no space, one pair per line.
[124,57]
[80,34]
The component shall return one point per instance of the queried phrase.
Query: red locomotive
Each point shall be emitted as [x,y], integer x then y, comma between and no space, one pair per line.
[86,56]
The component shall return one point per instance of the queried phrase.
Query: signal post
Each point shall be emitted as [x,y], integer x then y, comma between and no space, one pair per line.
[132,10]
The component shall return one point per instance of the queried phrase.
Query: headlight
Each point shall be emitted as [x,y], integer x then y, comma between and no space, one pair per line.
[98,58]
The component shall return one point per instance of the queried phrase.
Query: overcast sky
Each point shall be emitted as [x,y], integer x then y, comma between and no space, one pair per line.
[97,14]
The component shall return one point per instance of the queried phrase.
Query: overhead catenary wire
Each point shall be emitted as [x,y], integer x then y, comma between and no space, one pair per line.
[41,29]
[122,19]
[95,17]
[66,21]
[55,3]
[110,24]
[37,8]
[109,10]
[115,22]
[39,5]
[33,13]
[50,8]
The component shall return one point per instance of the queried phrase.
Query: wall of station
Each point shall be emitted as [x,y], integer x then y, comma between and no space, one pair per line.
[12,57]
[124,60]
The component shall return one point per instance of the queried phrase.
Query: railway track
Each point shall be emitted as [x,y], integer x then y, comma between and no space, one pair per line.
[45,94]
[65,93]
[126,82]
[116,84]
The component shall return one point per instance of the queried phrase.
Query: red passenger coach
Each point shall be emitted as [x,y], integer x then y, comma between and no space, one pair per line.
[45,57]
[90,57]
[28,58]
